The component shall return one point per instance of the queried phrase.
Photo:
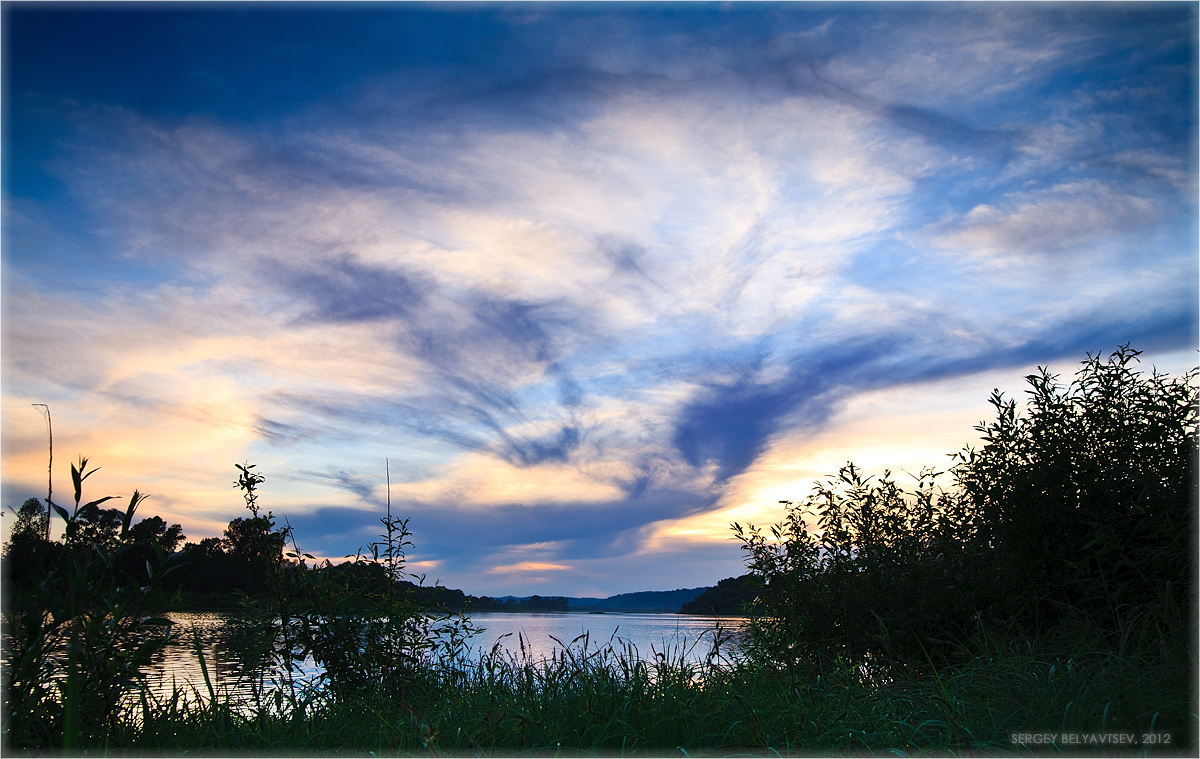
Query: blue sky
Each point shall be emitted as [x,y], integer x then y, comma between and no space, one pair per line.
[595,279]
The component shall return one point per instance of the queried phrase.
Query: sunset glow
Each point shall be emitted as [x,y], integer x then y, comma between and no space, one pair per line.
[592,281]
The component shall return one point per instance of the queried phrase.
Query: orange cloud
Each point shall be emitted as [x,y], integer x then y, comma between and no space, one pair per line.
[526,566]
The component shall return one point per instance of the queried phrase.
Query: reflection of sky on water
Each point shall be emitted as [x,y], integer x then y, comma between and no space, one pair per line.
[642,635]
[177,667]
[645,634]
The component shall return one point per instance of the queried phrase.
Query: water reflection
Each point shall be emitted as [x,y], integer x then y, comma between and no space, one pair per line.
[646,636]
[523,637]
[177,670]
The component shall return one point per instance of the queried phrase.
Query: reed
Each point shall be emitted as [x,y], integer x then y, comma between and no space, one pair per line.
[610,699]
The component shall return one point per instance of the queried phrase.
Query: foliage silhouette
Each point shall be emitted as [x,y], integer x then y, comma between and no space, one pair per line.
[361,621]
[887,571]
[1078,510]
[1087,500]
[81,627]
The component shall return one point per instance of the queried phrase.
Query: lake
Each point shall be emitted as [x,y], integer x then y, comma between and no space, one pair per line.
[644,634]
[522,635]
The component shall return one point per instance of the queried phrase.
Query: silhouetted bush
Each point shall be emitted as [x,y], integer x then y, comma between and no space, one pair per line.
[887,570]
[1078,510]
[1087,499]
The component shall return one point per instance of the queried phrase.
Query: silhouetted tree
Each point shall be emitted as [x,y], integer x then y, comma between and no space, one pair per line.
[205,568]
[28,555]
[94,527]
[155,530]
[254,547]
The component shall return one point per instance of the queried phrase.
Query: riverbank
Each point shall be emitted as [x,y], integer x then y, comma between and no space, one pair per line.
[1020,699]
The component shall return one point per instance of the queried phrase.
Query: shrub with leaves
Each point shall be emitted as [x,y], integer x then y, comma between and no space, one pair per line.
[366,625]
[885,570]
[1087,497]
[1079,508]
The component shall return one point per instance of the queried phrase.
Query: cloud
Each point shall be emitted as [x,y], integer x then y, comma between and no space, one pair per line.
[363,487]
[473,530]
[1063,219]
[527,566]
[579,287]
[344,289]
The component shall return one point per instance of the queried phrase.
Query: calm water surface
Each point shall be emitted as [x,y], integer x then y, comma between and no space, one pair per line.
[529,635]
[646,635]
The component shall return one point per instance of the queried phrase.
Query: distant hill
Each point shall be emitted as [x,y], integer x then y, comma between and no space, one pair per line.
[668,601]
[726,599]
[649,600]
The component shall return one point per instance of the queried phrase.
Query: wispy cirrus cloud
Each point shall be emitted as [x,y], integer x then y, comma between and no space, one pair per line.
[583,285]
[1063,219]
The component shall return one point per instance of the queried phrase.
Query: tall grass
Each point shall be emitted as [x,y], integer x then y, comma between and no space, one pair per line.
[609,699]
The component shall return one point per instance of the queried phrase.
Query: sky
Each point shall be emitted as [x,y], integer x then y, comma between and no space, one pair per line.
[587,282]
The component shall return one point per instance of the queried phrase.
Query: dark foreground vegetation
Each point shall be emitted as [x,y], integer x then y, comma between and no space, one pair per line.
[1043,602]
